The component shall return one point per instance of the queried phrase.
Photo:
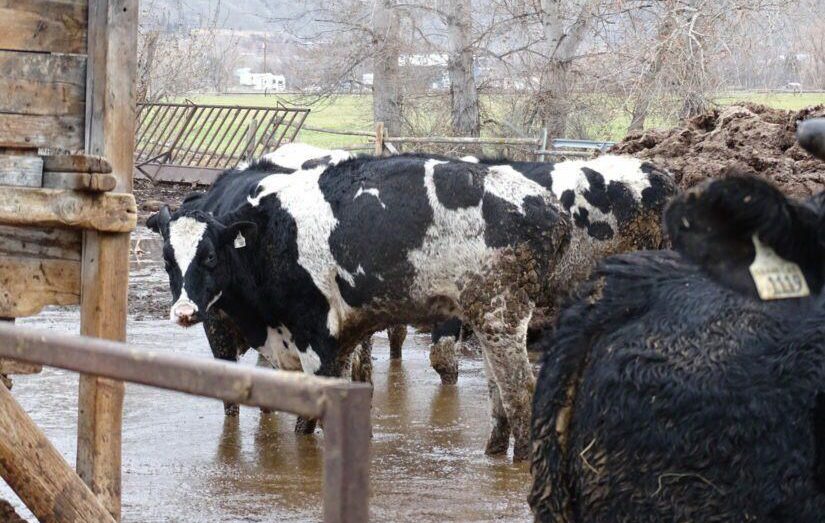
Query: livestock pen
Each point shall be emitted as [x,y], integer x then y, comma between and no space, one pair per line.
[67,122]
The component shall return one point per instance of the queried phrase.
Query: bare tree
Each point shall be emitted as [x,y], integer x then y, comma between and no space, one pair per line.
[386,87]
[463,91]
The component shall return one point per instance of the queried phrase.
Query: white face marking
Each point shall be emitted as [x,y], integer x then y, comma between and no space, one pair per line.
[280,350]
[294,155]
[301,196]
[510,185]
[184,235]
[372,191]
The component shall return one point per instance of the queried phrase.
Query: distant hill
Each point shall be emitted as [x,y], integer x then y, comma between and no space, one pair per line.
[250,15]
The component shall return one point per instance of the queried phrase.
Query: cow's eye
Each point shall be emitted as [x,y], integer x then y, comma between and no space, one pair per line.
[210,260]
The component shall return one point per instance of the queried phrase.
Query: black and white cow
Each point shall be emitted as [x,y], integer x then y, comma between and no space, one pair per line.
[615,203]
[326,255]
[690,385]
[229,333]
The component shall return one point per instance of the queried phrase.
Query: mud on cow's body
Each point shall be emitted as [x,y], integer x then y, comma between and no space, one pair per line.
[672,392]
[327,255]
[615,204]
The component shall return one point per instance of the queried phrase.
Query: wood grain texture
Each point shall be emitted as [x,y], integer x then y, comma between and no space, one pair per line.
[110,133]
[8,367]
[21,170]
[29,284]
[37,472]
[76,163]
[31,242]
[36,131]
[44,25]
[42,84]
[92,182]
[110,212]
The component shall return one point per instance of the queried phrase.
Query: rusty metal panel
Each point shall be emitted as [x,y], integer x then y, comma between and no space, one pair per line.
[187,135]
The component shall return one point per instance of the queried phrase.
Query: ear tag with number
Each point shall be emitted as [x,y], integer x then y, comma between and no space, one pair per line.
[775,277]
[240,241]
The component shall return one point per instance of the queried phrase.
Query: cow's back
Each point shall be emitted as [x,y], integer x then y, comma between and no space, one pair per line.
[697,394]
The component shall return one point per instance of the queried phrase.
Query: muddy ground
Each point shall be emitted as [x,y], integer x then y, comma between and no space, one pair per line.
[183,461]
[750,138]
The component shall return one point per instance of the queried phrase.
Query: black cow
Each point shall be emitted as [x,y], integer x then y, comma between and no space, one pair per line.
[615,203]
[326,255]
[690,385]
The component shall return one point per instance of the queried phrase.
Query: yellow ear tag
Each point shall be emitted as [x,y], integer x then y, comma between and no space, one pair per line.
[240,241]
[775,277]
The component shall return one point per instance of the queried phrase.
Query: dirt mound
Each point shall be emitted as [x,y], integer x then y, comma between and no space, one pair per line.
[751,137]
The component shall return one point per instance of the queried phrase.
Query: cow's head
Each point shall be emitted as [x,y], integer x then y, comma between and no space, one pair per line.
[198,251]
[749,236]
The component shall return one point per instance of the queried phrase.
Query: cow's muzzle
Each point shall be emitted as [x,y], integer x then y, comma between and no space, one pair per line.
[184,313]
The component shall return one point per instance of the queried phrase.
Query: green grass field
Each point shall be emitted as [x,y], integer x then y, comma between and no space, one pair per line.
[354,112]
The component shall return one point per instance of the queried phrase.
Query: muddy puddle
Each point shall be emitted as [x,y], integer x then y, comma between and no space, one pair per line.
[183,461]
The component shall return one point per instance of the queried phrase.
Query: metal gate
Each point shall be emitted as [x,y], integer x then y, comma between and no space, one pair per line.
[193,143]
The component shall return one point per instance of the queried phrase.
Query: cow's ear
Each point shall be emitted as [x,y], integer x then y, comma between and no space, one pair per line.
[159,222]
[748,236]
[239,234]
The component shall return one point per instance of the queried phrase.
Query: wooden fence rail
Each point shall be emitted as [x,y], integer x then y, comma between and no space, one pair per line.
[343,407]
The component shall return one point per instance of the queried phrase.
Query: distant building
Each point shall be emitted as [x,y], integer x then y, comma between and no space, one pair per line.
[366,79]
[261,81]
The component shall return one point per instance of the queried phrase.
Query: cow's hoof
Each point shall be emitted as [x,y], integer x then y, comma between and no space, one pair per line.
[305,425]
[448,377]
[231,409]
[521,452]
[497,444]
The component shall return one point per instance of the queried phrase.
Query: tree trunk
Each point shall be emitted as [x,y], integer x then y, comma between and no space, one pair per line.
[145,64]
[386,84]
[645,89]
[463,92]
[561,44]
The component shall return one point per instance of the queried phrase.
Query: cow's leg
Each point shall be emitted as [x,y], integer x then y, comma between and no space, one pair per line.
[397,334]
[265,364]
[499,439]
[498,307]
[444,359]
[361,365]
[226,343]
[505,348]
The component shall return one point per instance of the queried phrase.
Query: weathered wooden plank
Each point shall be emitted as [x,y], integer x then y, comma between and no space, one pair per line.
[21,170]
[295,392]
[109,132]
[93,182]
[31,242]
[28,284]
[37,472]
[44,25]
[43,84]
[347,453]
[35,131]
[109,212]
[8,367]
[76,163]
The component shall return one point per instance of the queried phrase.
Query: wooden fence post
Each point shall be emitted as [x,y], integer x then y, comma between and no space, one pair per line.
[543,143]
[37,472]
[379,139]
[347,436]
[110,132]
